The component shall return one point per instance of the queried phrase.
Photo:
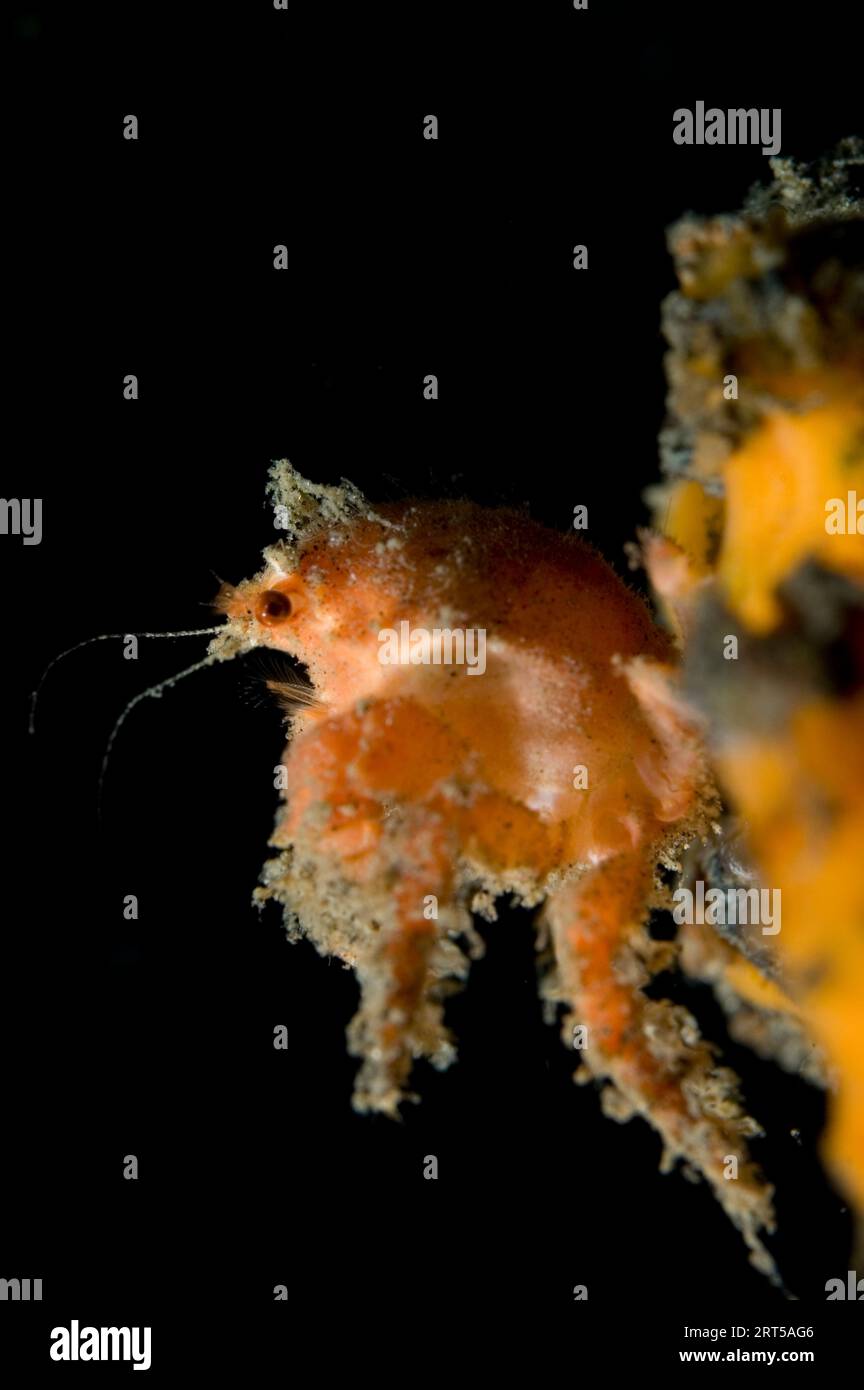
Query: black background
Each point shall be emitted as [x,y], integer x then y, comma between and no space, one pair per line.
[406,257]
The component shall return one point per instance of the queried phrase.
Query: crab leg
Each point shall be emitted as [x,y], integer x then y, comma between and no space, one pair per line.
[367,873]
[648,1050]
[399,1016]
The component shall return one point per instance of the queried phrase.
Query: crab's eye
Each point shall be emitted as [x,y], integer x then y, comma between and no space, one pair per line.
[272,607]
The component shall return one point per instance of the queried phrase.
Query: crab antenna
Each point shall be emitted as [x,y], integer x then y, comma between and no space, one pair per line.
[108,637]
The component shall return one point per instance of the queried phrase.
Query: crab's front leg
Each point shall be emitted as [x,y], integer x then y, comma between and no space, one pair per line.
[367,874]
[400,1016]
[650,1050]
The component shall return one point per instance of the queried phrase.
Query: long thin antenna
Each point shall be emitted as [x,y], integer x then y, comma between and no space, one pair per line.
[109,637]
[153,693]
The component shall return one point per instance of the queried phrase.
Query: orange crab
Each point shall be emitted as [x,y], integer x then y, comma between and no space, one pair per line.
[416,791]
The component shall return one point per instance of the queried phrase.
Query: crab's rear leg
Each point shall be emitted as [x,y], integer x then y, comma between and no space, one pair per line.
[650,1050]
